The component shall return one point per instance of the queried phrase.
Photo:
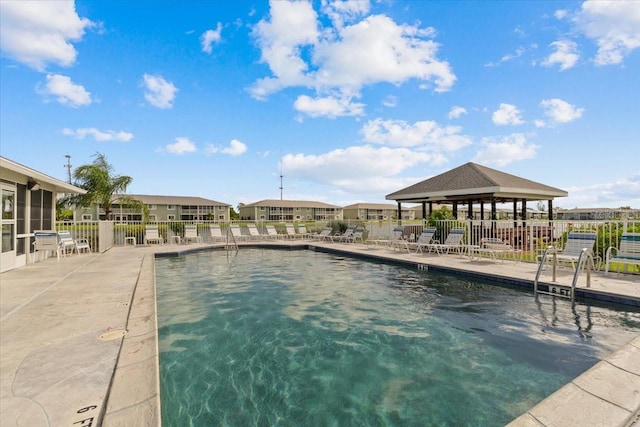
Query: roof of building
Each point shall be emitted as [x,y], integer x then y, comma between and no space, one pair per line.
[53,184]
[379,206]
[175,200]
[476,182]
[276,203]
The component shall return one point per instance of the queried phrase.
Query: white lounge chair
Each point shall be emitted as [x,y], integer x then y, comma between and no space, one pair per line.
[576,242]
[493,247]
[303,233]
[272,232]
[253,232]
[453,243]
[237,232]
[216,233]
[152,235]
[424,239]
[396,237]
[325,234]
[191,234]
[346,236]
[290,231]
[627,253]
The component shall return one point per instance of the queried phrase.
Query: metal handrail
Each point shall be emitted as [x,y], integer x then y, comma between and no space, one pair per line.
[586,255]
[231,237]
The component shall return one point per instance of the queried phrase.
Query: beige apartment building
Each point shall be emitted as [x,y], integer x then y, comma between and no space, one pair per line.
[163,208]
[289,211]
[376,212]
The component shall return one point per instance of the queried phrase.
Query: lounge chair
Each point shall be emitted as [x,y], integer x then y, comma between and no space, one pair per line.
[253,232]
[152,235]
[576,242]
[358,234]
[627,253]
[396,237]
[453,243]
[237,232]
[45,241]
[346,236]
[325,235]
[191,234]
[424,239]
[272,233]
[303,233]
[216,233]
[290,231]
[493,247]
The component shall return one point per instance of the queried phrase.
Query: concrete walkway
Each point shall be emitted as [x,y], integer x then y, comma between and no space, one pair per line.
[78,340]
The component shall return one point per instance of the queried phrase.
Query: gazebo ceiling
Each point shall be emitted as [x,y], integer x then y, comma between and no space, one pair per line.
[478,183]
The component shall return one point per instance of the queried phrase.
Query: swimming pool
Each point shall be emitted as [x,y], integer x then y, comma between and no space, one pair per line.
[293,338]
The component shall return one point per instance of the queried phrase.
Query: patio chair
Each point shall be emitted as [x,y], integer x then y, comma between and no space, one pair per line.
[358,234]
[237,232]
[66,242]
[303,232]
[346,236]
[396,235]
[152,235]
[253,232]
[216,233]
[493,247]
[191,234]
[272,233]
[325,235]
[290,231]
[45,241]
[627,253]
[576,242]
[423,240]
[453,243]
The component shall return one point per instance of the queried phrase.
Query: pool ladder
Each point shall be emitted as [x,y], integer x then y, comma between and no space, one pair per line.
[231,241]
[585,262]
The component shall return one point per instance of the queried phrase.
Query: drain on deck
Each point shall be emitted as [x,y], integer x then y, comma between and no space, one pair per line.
[112,335]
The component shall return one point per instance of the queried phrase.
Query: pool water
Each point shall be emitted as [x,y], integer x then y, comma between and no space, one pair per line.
[301,338]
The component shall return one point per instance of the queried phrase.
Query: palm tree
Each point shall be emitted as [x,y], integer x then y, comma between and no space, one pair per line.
[103,187]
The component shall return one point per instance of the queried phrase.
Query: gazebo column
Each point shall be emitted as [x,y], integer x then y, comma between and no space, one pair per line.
[399,213]
[523,230]
[430,209]
[494,217]
[424,211]
[550,206]
[470,218]
[455,210]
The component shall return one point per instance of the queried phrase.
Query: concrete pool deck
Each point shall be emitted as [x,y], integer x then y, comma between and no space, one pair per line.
[78,339]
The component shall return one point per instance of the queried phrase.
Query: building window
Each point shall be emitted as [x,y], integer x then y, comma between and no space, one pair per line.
[153,218]
[171,217]
[170,207]
[221,217]
[152,207]
[87,217]
[262,208]
[221,208]
[262,217]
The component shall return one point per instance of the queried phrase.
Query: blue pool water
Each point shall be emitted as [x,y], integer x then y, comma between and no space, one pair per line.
[300,338]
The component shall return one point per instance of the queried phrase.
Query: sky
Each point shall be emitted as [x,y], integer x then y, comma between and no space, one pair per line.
[348,101]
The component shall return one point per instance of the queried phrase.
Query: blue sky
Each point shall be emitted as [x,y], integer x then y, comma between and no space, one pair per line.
[350,101]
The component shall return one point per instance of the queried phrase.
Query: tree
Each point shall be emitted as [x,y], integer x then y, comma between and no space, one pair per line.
[103,187]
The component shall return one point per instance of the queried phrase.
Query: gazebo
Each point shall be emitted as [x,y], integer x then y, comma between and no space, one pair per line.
[473,183]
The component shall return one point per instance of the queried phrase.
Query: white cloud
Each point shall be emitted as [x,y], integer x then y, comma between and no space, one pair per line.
[328,106]
[209,37]
[235,148]
[159,92]
[565,55]
[621,192]
[37,33]
[508,57]
[560,111]
[341,11]
[344,58]
[66,92]
[614,25]
[390,101]
[355,168]
[423,135]
[98,135]
[181,146]
[507,114]
[456,112]
[506,150]
[560,14]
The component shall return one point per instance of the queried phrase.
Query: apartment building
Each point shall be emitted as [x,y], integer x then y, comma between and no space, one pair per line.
[289,211]
[376,211]
[163,208]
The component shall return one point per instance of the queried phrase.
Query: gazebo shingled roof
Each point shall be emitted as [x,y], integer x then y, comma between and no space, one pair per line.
[475,182]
